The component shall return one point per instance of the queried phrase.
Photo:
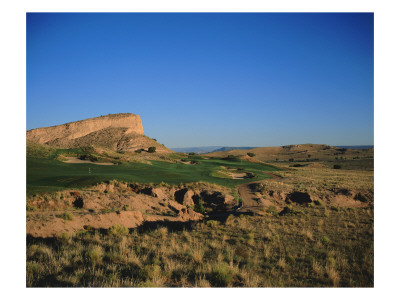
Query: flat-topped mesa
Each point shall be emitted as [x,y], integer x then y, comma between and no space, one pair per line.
[74,130]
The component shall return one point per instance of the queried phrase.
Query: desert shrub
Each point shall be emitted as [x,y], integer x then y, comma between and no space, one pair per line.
[271,209]
[325,240]
[95,255]
[118,230]
[151,149]
[150,271]
[241,254]
[337,166]
[230,157]
[289,211]
[64,238]
[249,236]
[78,202]
[291,159]
[251,154]
[39,253]
[138,151]
[222,275]
[30,208]
[212,223]
[297,165]
[114,258]
[318,202]
[90,157]
[126,207]
[360,197]
[32,267]
[290,259]
[67,216]
[199,207]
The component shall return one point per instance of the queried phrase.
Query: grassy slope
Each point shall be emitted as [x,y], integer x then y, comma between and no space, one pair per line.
[48,175]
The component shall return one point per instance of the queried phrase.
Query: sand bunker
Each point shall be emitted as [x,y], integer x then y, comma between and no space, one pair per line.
[238,175]
[76,160]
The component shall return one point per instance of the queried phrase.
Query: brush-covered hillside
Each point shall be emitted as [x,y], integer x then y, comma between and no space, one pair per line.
[301,152]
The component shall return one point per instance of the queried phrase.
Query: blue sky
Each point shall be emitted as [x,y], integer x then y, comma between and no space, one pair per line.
[239,79]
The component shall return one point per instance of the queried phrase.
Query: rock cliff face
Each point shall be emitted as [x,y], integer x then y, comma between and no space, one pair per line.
[74,130]
[120,132]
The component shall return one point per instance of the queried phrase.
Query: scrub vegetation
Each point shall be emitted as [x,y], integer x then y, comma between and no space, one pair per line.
[317,246]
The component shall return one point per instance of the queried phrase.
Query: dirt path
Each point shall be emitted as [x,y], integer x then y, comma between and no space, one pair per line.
[250,201]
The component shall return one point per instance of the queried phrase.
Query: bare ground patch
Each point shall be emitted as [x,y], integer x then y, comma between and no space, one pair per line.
[76,160]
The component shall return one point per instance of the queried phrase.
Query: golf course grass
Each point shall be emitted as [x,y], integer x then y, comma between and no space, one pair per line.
[44,175]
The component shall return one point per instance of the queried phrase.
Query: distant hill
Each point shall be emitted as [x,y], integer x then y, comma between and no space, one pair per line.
[297,152]
[211,149]
[208,149]
[198,150]
[233,148]
[357,147]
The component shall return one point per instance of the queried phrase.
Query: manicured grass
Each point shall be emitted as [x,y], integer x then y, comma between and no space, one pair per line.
[50,175]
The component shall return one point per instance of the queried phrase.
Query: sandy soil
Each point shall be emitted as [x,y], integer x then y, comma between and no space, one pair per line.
[54,226]
[75,160]
[237,175]
[47,224]
[106,204]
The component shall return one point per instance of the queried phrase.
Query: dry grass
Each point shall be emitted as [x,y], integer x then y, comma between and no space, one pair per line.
[320,180]
[245,251]
[333,275]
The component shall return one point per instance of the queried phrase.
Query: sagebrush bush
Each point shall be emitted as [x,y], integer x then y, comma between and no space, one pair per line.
[67,216]
[325,240]
[222,275]
[95,255]
[118,230]
[199,207]
[31,208]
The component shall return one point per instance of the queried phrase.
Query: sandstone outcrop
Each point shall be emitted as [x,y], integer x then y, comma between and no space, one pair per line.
[119,132]
[74,130]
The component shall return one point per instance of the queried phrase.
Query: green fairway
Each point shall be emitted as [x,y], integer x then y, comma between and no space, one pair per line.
[45,175]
